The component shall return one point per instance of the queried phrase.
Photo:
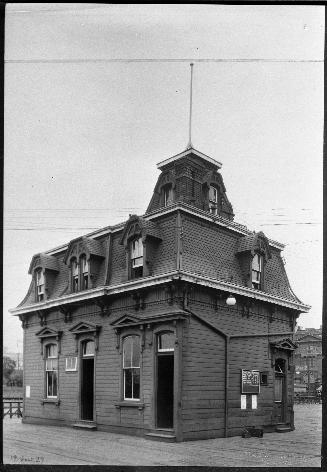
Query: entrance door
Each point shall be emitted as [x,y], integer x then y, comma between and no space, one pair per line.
[165,381]
[87,381]
[280,390]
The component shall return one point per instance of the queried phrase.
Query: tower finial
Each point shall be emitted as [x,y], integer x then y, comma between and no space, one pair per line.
[190,121]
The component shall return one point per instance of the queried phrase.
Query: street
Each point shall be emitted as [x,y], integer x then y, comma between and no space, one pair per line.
[34,444]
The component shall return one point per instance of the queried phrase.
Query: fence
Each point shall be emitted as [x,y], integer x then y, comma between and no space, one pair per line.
[12,407]
[300,398]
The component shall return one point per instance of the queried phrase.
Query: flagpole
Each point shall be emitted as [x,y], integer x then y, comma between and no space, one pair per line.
[190,119]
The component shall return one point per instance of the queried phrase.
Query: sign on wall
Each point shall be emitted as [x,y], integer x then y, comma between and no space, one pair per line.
[250,381]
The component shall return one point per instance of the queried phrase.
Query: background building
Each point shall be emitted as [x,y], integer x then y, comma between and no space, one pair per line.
[308,359]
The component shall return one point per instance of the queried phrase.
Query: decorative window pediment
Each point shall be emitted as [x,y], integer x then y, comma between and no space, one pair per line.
[83,329]
[125,321]
[84,245]
[137,227]
[256,243]
[45,262]
[48,333]
[285,344]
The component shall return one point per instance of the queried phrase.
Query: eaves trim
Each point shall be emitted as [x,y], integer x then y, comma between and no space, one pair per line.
[186,153]
[164,278]
[243,291]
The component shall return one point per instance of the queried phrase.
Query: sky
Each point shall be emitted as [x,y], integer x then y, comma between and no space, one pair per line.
[97,95]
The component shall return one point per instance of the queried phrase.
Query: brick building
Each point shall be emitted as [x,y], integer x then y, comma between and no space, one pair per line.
[308,359]
[178,324]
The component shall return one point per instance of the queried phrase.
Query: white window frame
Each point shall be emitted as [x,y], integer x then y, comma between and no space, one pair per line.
[40,285]
[170,349]
[257,281]
[75,274]
[84,268]
[136,339]
[168,195]
[71,368]
[137,253]
[213,202]
[47,370]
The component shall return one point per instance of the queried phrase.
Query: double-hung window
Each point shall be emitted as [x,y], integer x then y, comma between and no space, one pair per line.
[167,195]
[84,265]
[75,275]
[131,367]
[40,285]
[51,370]
[213,200]
[257,264]
[137,258]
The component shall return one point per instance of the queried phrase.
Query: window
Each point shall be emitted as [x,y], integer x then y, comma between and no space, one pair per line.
[257,263]
[166,342]
[264,378]
[84,265]
[88,349]
[51,370]
[75,275]
[71,364]
[136,258]
[131,368]
[213,200]
[279,379]
[39,285]
[168,195]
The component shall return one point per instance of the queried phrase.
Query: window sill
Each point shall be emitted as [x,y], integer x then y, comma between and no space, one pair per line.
[50,400]
[130,404]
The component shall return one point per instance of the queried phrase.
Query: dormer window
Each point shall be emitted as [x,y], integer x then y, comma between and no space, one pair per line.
[75,275]
[213,200]
[84,265]
[39,285]
[167,195]
[257,264]
[137,258]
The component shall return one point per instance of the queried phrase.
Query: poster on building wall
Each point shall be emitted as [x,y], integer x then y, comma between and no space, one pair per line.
[250,381]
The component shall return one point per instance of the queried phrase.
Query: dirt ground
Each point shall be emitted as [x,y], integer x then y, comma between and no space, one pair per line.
[34,444]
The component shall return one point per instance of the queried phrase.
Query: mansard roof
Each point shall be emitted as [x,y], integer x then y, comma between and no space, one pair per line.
[210,244]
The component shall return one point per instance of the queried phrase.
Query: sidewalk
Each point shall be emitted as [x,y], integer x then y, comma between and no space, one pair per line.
[34,444]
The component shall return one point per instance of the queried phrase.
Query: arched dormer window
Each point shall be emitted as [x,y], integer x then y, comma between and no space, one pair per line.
[136,258]
[40,285]
[167,191]
[213,200]
[257,267]
[74,275]
[84,269]
[131,367]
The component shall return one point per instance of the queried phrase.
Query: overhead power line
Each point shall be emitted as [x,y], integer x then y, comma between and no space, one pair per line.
[157,60]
